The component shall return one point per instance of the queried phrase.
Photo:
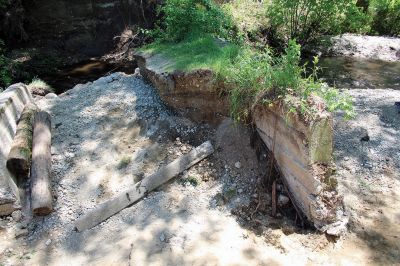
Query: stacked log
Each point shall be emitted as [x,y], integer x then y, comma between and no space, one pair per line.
[41,165]
[19,158]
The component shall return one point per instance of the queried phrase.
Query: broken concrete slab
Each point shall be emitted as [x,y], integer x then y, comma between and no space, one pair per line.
[12,102]
[303,151]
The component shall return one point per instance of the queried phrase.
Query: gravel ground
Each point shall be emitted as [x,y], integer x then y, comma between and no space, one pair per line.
[360,46]
[109,134]
[368,171]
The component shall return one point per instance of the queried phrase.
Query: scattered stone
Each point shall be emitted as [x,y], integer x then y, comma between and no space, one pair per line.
[48,242]
[16,215]
[162,237]
[282,200]
[240,190]
[51,96]
[238,165]
[21,233]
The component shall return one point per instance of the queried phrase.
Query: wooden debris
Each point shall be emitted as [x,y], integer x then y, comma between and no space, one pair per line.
[274,199]
[19,158]
[41,165]
[142,188]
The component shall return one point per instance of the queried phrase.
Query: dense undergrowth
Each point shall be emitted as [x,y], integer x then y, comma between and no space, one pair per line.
[5,74]
[252,73]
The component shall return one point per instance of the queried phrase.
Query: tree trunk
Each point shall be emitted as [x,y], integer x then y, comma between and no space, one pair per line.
[19,158]
[41,165]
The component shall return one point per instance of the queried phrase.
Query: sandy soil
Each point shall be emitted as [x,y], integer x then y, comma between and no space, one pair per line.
[109,134]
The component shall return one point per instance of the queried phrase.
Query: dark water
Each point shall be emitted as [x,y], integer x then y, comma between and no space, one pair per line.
[360,73]
[84,72]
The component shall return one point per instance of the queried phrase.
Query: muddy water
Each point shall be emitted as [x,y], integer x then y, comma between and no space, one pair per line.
[84,72]
[360,73]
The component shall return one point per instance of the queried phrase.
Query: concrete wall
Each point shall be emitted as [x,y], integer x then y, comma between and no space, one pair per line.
[12,101]
[303,152]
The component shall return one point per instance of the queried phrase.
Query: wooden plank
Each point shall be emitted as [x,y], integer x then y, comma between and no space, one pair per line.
[19,158]
[140,190]
[274,199]
[41,165]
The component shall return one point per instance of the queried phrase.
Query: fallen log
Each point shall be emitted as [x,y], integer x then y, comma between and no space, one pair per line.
[19,158]
[41,165]
[140,190]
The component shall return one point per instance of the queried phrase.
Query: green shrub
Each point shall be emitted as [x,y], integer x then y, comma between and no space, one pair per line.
[305,20]
[182,18]
[256,78]
[5,75]
[386,17]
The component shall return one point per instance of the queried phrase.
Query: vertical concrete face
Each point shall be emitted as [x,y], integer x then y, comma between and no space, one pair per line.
[303,152]
[12,102]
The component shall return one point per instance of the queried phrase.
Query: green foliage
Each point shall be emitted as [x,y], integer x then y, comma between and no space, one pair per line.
[182,18]
[3,3]
[249,16]
[124,162]
[41,84]
[5,75]
[256,78]
[386,16]
[305,20]
[196,52]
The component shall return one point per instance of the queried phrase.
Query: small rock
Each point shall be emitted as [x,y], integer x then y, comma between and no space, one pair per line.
[183,148]
[22,225]
[282,200]
[21,233]
[162,237]
[240,190]
[238,165]
[51,96]
[48,242]
[16,215]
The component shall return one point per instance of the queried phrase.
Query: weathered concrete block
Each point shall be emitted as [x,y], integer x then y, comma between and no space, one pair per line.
[12,101]
[303,152]
[194,94]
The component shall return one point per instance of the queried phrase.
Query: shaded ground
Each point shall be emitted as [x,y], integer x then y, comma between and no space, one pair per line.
[110,133]
[368,172]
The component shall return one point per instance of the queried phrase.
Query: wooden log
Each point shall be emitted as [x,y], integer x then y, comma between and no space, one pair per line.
[19,158]
[274,199]
[41,165]
[140,190]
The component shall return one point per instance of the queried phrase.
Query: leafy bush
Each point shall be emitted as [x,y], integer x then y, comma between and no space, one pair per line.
[305,20]
[5,75]
[386,17]
[257,78]
[182,18]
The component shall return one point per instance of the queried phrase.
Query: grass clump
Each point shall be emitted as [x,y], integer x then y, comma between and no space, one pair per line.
[196,52]
[40,84]
[124,162]
[260,78]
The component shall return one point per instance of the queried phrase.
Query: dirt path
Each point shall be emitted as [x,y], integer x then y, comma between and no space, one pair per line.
[110,133]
